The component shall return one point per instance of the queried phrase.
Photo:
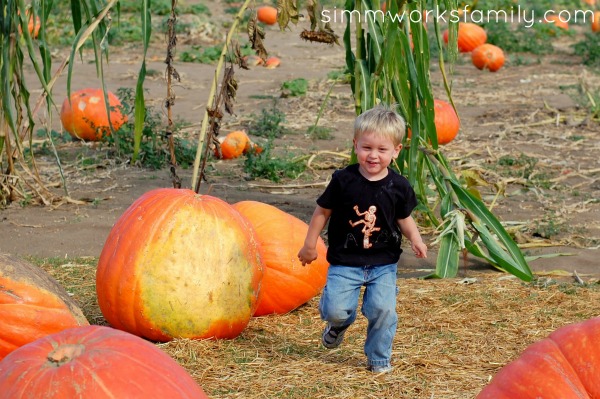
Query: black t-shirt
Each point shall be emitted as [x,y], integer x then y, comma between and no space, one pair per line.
[362,227]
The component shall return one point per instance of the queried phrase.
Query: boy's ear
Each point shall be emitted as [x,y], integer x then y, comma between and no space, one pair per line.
[398,149]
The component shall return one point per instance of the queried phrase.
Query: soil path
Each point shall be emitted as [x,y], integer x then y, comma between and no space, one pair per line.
[550,192]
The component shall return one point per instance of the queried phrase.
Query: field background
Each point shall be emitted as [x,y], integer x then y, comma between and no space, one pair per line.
[528,141]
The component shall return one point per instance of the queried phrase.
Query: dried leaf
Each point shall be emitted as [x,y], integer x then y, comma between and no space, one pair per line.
[237,54]
[230,86]
[256,35]
[319,36]
[473,178]
[287,11]
[311,9]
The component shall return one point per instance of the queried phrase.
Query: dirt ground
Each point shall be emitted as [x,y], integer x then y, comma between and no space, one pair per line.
[525,131]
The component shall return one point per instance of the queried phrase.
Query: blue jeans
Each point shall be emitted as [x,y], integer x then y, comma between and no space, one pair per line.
[339,303]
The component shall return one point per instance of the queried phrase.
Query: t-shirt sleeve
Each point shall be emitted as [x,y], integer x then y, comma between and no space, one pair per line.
[407,202]
[327,200]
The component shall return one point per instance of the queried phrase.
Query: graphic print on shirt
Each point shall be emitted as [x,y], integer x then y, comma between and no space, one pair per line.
[369,224]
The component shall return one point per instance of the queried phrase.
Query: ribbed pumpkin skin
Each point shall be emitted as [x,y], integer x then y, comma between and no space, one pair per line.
[488,56]
[32,305]
[470,36]
[286,283]
[97,363]
[85,117]
[566,365]
[179,264]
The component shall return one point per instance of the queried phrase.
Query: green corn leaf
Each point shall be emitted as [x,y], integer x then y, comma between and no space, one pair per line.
[501,247]
[140,103]
[446,265]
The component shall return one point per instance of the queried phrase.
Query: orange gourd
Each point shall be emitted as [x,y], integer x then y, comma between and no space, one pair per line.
[470,36]
[272,62]
[286,283]
[596,21]
[267,15]
[564,365]
[234,144]
[488,56]
[32,305]
[85,117]
[33,24]
[179,264]
[94,362]
[446,122]
[559,23]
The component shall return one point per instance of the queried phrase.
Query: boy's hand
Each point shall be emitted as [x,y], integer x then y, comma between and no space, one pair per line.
[307,255]
[419,248]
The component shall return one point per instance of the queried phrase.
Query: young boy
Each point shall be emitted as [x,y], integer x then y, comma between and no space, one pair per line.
[368,207]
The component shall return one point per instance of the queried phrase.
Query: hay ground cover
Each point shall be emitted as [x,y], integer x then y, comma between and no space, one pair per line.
[453,336]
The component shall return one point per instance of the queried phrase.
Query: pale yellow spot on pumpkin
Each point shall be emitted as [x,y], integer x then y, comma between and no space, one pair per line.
[196,271]
[94,100]
[82,104]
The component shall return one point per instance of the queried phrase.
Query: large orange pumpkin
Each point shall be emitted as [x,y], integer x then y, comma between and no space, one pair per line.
[179,264]
[85,117]
[94,362]
[565,365]
[488,56]
[267,15]
[286,283]
[470,36]
[32,305]
[446,122]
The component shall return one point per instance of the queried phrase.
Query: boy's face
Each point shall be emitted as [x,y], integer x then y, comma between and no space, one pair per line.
[374,154]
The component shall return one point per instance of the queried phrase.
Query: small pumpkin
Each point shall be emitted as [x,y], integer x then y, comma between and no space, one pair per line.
[557,21]
[286,284]
[234,144]
[94,362]
[272,62]
[179,264]
[85,116]
[267,15]
[470,36]
[596,21]
[32,305]
[566,364]
[33,24]
[253,60]
[446,122]
[488,56]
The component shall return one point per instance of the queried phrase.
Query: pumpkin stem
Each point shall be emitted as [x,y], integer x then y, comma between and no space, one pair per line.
[65,353]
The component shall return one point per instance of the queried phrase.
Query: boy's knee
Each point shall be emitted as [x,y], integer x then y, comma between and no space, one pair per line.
[335,315]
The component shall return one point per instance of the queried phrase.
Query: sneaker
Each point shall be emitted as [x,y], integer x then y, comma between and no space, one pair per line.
[380,369]
[333,336]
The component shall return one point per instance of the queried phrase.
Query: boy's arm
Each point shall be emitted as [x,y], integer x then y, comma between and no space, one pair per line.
[308,252]
[411,232]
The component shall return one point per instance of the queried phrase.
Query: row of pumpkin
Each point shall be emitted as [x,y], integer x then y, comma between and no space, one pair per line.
[179,264]
[176,264]
[84,117]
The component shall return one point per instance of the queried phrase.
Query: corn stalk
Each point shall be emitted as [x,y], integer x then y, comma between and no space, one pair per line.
[19,177]
[385,68]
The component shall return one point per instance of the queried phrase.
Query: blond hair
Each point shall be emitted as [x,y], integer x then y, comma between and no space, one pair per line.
[383,121]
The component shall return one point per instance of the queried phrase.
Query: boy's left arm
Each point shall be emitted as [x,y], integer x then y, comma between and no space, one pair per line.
[411,232]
